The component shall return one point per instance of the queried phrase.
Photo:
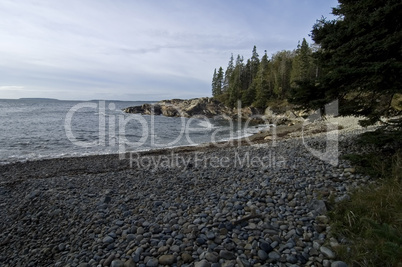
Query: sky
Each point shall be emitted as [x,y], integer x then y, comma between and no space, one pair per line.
[137,49]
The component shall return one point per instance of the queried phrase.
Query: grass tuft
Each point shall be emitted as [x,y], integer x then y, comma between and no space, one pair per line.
[371,221]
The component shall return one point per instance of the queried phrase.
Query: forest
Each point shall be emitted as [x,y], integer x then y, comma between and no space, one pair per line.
[257,81]
[355,59]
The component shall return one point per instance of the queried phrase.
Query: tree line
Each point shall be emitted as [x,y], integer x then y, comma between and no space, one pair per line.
[355,59]
[259,80]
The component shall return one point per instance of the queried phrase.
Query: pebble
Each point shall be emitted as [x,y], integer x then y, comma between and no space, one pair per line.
[274,255]
[186,257]
[99,212]
[212,257]
[152,262]
[327,252]
[117,263]
[129,263]
[167,259]
[108,239]
[227,255]
[262,255]
[338,264]
[202,263]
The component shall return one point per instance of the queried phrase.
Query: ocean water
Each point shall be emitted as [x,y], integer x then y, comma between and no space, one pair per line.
[32,129]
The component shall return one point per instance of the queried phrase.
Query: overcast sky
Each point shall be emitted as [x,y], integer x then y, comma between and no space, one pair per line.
[139,50]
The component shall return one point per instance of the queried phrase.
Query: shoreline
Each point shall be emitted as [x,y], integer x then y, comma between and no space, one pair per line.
[106,162]
[247,205]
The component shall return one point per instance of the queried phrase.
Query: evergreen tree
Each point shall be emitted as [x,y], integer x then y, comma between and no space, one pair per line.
[254,63]
[228,74]
[302,66]
[235,83]
[281,70]
[262,83]
[214,84]
[360,58]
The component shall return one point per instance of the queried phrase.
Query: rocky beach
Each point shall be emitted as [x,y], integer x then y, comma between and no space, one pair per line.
[261,204]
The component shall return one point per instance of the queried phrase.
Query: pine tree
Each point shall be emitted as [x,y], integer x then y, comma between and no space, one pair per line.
[282,66]
[235,83]
[214,84]
[262,83]
[360,59]
[219,81]
[228,74]
[254,63]
[302,66]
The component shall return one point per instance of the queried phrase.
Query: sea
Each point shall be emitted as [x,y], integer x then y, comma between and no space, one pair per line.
[33,129]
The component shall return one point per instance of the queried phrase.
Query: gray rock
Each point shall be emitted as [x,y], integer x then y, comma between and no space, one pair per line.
[327,252]
[291,259]
[106,199]
[117,263]
[130,237]
[129,263]
[265,247]
[203,263]
[338,264]
[200,241]
[273,255]
[227,255]
[242,262]
[108,239]
[152,262]
[318,206]
[61,247]
[345,197]
[262,255]
[186,257]
[119,223]
[212,257]
[109,260]
[33,194]
[167,259]
[210,235]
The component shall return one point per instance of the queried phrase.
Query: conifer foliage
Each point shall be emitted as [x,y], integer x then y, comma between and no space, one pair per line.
[258,81]
[359,59]
[356,59]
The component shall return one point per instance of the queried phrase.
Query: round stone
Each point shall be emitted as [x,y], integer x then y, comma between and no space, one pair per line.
[152,262]
[327,252]
[117,263]
[274,255]
[338,264]
[167,259]
[108,239]
[186,257]
[212,257]
[262,255]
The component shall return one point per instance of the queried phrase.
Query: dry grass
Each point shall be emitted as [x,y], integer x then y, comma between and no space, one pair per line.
[371,221]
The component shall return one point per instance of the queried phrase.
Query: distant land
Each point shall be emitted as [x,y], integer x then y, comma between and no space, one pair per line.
[39,98]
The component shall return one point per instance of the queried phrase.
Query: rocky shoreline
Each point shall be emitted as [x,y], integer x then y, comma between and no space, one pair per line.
[250,205]
[207,107]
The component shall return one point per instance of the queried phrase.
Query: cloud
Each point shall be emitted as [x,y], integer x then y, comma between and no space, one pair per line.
[11,87]
[131,46]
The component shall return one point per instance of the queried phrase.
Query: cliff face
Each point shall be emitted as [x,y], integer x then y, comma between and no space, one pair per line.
[209,107]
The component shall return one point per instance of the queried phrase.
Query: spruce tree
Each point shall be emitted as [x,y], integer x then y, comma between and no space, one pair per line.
[262,83]
[360,58]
